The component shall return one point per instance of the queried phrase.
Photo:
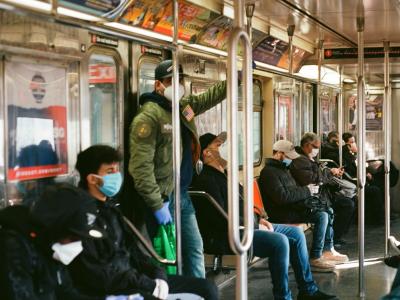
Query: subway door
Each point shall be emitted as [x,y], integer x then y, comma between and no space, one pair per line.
[103,92]
[38,126]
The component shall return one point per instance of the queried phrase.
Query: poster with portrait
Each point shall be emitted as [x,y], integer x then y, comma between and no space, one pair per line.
[37,120]
[373,112]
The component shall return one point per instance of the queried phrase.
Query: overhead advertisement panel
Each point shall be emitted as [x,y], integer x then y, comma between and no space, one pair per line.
[216,34]
[275,52]
[101,8]
[157,15]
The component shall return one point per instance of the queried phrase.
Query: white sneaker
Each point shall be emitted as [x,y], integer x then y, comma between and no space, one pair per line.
[334,257]
[321,265]
[395,244]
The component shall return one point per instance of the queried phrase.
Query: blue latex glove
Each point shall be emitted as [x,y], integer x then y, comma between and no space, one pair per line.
[163,215]
[123,297]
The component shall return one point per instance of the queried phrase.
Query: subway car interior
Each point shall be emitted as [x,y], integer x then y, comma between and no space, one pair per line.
[72,72]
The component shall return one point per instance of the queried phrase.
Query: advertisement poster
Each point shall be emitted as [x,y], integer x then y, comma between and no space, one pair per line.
[373,110]
[374,113]
[217,34]
[299,55]
[37,120]
[101,8]
[270,51]
[285,130]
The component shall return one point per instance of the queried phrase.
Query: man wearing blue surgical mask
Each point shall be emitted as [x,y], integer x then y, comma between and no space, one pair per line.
[115,264]
[151,161]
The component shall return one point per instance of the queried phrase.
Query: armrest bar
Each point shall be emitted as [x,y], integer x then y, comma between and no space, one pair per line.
[211,200]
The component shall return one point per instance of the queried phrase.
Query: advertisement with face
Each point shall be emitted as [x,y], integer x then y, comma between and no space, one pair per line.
[37,120]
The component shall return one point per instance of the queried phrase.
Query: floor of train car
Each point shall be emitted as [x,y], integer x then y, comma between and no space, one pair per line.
[344,282]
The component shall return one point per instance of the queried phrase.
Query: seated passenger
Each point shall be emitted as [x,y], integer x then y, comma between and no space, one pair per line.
[116,264]
[330,149]
[306,170]
[280,243]
[36,243]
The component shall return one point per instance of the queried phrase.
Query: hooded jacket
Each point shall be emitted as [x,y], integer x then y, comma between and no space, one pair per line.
[151,142]
[27,270]
[280,193]
[114,265]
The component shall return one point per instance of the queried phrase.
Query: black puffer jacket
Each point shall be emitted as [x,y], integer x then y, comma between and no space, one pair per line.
[280,193]
[27,270]
[330,151]
[114,265]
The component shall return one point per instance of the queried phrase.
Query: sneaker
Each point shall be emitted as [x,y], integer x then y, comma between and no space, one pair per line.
[321,265]
[334,257]
[393,261]
[395,244]
[318,295]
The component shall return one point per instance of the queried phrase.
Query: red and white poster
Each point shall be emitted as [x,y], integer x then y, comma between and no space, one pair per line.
[37,120]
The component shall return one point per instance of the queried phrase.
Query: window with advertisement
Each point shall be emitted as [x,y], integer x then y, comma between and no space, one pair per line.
[37,120]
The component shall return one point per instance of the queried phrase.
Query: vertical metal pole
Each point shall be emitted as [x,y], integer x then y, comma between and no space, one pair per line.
[320,56]
[290,32]
[249,14]
[361,153]
[340,115]
[387,129]
[238,245]
[176,123]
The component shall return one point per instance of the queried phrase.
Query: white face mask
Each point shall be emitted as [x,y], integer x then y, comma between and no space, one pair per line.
[168,92]
[65,253]
[314,152]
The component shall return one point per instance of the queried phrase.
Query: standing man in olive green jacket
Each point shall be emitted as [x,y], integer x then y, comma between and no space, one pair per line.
[151,158]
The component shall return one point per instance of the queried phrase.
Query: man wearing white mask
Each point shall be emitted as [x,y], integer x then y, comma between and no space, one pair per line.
[151,158]
[37,244]
[307,172]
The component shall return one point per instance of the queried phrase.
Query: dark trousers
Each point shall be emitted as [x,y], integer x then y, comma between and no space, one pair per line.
[374,205]
[343,208]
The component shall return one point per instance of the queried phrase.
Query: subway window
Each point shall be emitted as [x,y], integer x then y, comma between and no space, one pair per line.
[103,87]
[147,65]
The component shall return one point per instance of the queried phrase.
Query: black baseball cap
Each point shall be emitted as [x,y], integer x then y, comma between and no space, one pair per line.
[165,70]
[66,210]
[207,138]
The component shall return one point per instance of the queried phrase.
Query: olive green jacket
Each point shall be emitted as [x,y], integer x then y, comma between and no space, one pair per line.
[150,163]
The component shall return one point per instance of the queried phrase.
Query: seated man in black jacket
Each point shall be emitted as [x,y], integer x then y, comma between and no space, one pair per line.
[280,243]
[330,149]
[287,202]
[115,264]
[36,244]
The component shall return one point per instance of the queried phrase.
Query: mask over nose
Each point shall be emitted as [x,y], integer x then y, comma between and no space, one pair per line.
[168,92]
[66,253]
[314,152]
[111,184]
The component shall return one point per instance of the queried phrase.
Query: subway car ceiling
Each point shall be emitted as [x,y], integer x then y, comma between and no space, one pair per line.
[204,26]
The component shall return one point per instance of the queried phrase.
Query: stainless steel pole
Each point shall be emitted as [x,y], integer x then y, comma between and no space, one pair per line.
[290,32]
[176,134]
[320,56]
[387,129]
[361,153]
[340,115]
[238,245]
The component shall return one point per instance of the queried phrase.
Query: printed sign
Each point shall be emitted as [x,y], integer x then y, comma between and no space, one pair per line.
[37,120]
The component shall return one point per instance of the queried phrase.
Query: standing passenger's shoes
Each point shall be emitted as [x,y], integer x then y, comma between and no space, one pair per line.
[321,265]
[393,261]
[334,257]
[318,295]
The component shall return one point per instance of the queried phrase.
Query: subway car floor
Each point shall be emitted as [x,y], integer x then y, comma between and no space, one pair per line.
[344,282]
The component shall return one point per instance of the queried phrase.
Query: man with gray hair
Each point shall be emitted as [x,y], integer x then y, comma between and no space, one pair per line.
[307,172]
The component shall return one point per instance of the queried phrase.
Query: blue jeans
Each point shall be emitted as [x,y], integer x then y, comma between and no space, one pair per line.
[192,243]
[284,244]
[323,232]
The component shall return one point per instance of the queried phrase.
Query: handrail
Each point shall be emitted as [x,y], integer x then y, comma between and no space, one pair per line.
[212,200]
[238,246]
[233,183]
[388,129]
[147,245]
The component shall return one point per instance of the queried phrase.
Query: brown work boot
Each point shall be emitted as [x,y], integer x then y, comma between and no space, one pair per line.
[321,265]
[334,257]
